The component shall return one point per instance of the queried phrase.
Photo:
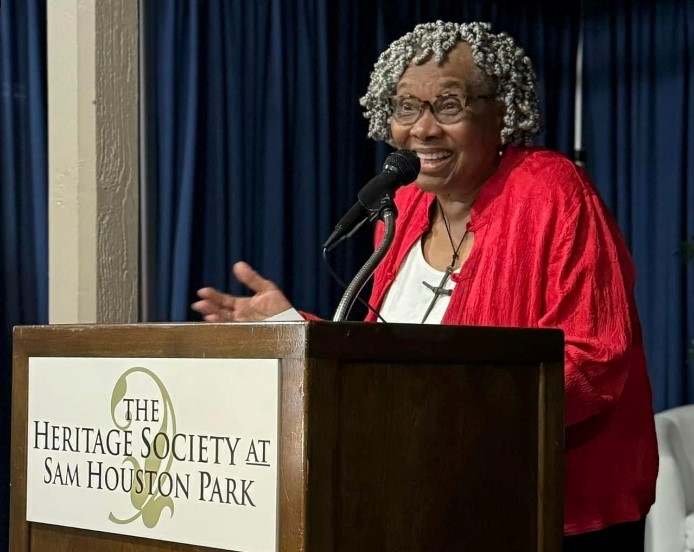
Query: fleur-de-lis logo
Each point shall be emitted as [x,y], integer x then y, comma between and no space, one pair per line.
[148,502]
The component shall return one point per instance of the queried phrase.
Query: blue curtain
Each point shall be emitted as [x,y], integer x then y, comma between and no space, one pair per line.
[240,131]
[257,142]
[23,219]
[639,135]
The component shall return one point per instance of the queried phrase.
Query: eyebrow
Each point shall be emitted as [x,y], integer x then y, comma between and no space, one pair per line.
[452,84]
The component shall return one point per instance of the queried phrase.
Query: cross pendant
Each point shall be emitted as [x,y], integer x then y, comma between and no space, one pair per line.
[438,291]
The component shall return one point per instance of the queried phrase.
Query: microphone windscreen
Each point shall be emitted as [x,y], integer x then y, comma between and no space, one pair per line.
[404,162]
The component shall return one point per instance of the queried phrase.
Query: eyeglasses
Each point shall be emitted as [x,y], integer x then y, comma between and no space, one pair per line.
[447,109]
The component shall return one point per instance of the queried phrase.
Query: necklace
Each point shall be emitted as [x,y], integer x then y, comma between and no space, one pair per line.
[440,289]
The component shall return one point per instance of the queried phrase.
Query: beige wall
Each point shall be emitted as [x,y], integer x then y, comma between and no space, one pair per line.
[93,157]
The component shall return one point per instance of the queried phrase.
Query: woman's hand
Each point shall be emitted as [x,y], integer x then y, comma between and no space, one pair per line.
[267,300]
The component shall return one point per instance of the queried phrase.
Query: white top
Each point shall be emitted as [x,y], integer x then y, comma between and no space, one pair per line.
[408,298]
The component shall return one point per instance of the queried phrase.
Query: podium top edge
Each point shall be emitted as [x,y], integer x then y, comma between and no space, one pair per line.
[303,339]
[307,325]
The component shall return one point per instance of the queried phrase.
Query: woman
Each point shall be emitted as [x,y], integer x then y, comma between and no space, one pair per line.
[515,236]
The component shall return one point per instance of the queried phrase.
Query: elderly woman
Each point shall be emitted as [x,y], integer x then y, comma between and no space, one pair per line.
[517,236]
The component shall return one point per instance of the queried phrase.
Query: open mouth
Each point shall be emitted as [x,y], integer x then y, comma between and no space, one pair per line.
[432,160]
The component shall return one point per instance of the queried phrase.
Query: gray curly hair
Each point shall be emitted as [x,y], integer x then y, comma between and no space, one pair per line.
[496,54]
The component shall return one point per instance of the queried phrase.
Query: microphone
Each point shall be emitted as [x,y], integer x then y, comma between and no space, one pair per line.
[400,167]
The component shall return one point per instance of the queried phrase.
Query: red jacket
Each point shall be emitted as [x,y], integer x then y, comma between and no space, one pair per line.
[547,254]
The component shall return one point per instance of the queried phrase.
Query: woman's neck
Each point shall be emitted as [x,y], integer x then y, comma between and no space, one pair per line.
[457,208]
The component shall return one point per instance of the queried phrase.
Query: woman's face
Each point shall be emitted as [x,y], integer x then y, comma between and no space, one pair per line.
[455,158]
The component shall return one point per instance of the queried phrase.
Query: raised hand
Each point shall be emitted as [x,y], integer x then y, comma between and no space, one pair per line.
[268,300]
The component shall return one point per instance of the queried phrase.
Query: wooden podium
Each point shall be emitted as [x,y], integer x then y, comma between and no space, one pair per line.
[393,437]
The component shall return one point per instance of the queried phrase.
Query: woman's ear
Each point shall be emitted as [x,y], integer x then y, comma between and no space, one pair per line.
[500,114]
[499,117]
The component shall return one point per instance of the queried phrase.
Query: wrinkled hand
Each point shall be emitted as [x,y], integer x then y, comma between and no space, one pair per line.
[268,300]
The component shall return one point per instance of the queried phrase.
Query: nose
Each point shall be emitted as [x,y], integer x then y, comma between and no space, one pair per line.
[426,126]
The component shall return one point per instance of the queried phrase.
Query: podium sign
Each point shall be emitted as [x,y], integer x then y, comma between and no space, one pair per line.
[180,450]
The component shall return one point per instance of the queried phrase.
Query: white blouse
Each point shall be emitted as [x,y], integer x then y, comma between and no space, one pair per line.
[408,298]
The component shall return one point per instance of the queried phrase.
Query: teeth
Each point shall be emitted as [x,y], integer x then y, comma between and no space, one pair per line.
[433,156]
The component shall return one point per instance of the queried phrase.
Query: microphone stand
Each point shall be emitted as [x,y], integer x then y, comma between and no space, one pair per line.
[387,213]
